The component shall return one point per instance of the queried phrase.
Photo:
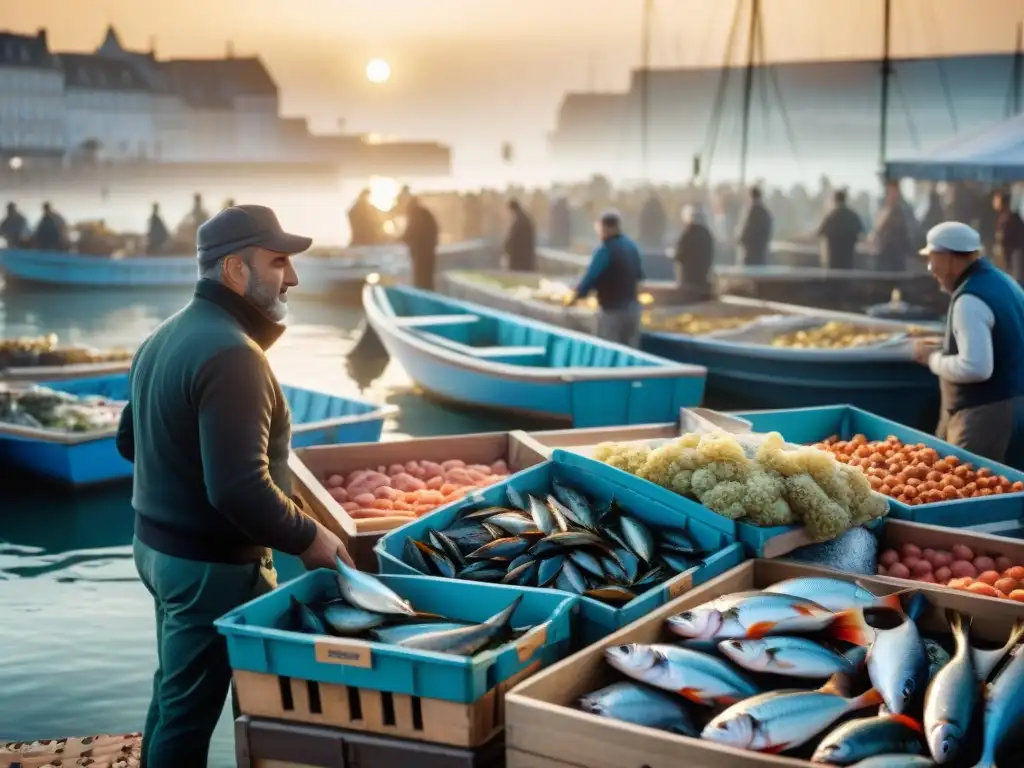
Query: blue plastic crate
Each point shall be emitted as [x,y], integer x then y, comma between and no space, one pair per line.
[255,644]
[811,425]
[599,481]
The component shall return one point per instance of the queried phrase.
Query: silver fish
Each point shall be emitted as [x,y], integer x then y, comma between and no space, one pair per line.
[986,661]
[346,619]
[541,515]
[638,537]
[400,632]
[752,616]
[364,591]
[305,619]
[580,510]
[898,666]
[781,720]
[482,515]
[493,530]
[633,703]
[558,513]
[515,498]
[951,696]
[438,561]
[696,676]
[1004,708]
[834,594]
[440,541]
[549,569]
[514,523]
[869,736]
[587,562]
[464,641]
[896,761]
[507,548]
[790,656]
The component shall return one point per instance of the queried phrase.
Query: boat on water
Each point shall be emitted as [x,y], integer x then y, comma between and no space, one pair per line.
[739,340]
[472,355]
[90,457]
[42,359]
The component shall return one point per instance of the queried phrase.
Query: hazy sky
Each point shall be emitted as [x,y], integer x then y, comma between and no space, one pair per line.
[476,72]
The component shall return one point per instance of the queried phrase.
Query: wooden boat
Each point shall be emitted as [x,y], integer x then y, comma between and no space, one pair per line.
[86,458]
[102,751]
[473,355]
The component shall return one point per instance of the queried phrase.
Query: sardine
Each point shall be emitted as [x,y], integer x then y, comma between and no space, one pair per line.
[1004,708]
[951,696]
[437,560]
[364,591]
[898,666]
[986,661]
[305,619]
[505,549]
[834,594]
[549,569]
[514,523]
[696,676]
[638,537]
[541,515]
[870,736]
[440,541]
[464,641]
[611,594]
[580,510]
[633,703]
[587,562]
[781,720]
[896,761]
[346,619]
[399,632]
[754,616]
[789,656]
[515,498]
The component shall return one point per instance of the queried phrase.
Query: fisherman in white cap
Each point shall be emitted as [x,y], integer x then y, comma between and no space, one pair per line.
[979,362]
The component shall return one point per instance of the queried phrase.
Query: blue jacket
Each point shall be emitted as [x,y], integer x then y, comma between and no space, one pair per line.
[1006,300]
[615,272]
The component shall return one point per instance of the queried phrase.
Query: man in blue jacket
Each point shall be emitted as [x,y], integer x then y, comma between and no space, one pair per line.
[978,362]
[615,273]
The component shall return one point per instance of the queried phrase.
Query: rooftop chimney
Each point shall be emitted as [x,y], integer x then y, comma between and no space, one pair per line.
[41,37]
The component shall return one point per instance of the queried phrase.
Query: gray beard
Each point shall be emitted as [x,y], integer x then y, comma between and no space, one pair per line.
[265,299]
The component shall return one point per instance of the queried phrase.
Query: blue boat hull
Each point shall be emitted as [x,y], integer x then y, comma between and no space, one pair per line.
[581,396]
[902,391]
[318,419]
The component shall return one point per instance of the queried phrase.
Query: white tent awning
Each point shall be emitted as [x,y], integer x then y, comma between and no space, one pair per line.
[993,153]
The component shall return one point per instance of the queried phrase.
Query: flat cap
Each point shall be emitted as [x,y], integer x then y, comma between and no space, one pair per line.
[243,226]
[952,237]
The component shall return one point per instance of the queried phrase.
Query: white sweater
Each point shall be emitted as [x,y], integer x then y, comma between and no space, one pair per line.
[972,327]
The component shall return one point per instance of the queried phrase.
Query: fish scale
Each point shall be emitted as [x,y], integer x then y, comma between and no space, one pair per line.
[950,698]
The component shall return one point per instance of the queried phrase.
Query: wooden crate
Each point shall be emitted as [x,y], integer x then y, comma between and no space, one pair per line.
[311,467]
[104,750]
[365,710]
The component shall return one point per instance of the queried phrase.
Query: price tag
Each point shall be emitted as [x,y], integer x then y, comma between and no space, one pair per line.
[680,585]
[346,654]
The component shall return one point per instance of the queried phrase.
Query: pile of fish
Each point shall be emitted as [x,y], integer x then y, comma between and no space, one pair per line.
[742,676]
[365,608]
[565,541]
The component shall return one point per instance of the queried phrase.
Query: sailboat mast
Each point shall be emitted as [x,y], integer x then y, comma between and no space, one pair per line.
[748,85]
[645,90]
[883,135]
[1018,67]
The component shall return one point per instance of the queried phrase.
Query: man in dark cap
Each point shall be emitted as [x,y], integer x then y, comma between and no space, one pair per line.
[208,430]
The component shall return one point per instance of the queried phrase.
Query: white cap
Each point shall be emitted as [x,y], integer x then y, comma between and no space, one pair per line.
[952,237]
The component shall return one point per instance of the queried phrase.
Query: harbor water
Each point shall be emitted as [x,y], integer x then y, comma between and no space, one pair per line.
[77,646]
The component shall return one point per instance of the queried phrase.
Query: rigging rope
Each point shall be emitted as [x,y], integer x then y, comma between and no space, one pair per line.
[714,125]
[947,92]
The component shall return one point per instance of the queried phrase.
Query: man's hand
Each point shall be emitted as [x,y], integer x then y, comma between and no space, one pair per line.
[325,547]
[923,349]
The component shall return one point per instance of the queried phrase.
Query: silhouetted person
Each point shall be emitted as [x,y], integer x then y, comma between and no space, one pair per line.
[839,232]
[521,243]
[421,236]
[198,214]
[933,213]
[1009,236]
[14,228]
[560,226]
[895,231]
[755,237]
[695,255]
[50,234]
[472,216]
[653,223]
[157,235]
[364,221]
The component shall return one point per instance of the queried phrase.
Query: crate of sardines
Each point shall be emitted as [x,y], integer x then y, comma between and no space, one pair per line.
[394,655]
[778,664]
[567,525]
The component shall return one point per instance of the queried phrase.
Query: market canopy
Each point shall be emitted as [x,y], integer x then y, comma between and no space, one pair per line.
[993,153]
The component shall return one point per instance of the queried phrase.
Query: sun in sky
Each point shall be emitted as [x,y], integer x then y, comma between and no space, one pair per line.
[378,71]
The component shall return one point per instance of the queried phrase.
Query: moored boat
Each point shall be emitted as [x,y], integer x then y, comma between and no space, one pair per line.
[473,355]
[89,457]
[42,359]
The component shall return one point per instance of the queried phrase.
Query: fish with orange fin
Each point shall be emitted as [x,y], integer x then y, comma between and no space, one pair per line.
[696,676]
[751,616]
[782,720]
[866,737]
[836,594]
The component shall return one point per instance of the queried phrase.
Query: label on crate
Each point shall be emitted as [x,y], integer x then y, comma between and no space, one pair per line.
[530,642]
[340,652]
[680,586]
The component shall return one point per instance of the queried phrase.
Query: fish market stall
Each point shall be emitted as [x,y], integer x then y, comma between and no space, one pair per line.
[399,656]
[362,490]
[43,359]
[66,430]
[746,671]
